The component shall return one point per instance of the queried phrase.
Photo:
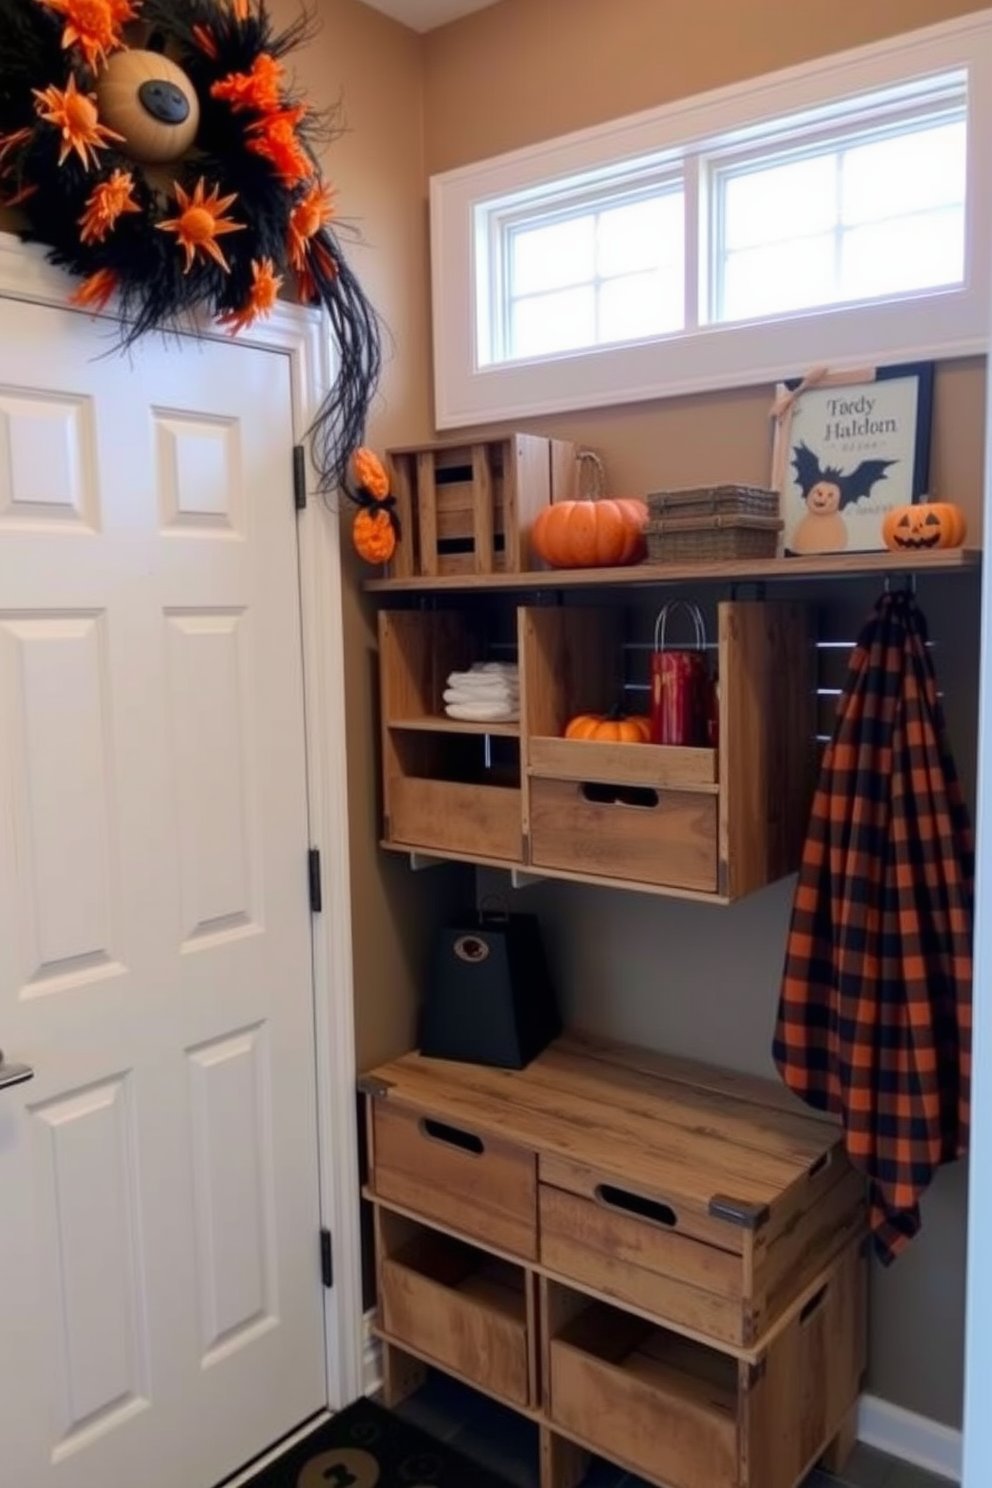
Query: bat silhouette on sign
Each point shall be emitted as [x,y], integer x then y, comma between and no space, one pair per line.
[826,491]
[825,486]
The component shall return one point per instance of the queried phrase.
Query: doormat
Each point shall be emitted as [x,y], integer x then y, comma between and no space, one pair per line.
[365,1446]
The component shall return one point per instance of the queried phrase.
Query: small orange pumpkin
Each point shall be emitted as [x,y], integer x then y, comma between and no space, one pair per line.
[924,526]
[373,534]
[615,727]
[603,533]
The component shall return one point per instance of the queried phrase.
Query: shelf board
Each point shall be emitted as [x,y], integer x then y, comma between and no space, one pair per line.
[735,571]
[536,871]
[433,724]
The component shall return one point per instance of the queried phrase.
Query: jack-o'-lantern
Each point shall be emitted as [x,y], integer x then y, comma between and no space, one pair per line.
[924,526]
[151,103]
[160,152]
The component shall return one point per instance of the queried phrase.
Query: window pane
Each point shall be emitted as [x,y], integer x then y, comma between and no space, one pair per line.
[893,177]
[553,322]
[869,218]
[779,202]
[910,253]
[550,257]
[640,305]
[784,276]
[640,235]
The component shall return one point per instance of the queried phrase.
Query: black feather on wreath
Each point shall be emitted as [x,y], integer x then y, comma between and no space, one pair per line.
[157,149]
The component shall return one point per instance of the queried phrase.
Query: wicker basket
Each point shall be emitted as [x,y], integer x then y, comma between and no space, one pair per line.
[713,501]
[710,539]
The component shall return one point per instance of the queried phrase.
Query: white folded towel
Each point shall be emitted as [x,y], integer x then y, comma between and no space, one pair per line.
[497,694]
[484,673]
[482,712]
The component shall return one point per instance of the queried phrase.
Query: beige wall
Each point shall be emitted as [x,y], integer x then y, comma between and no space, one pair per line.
[526,70]
[685,977]
[375,68]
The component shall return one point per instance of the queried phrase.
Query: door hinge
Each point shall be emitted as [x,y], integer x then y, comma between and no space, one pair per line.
[299,478]
[316,887]
[326,1258]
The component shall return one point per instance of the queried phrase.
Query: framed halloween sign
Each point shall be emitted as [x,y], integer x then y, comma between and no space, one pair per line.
[849,447]
[162,153]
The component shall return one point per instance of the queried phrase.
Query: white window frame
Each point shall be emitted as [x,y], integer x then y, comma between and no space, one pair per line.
[937,323]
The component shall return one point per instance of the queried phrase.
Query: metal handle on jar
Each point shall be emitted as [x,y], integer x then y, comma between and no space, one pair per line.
[13,1074]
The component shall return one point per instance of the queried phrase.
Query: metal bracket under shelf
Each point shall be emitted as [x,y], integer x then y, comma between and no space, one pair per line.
[420,862]
[519,877]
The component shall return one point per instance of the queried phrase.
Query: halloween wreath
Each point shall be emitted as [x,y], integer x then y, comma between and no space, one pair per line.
[159,151]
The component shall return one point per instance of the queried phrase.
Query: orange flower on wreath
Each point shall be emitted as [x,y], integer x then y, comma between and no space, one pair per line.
[313,210]
[257,89]
[96,290]
[276,140]
[201,222]
[74,115]
[262,296]
[93,25]
[108,201]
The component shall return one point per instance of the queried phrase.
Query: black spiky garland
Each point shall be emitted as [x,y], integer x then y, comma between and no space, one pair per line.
[255,142]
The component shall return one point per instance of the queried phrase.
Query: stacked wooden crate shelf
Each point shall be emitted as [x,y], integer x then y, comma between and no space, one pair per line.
[656,1261]
[710,824]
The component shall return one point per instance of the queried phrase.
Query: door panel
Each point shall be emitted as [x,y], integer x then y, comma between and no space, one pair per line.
[160,1295]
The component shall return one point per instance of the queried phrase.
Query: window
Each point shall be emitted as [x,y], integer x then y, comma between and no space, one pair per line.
[591,273]
[860,216]
[837,212]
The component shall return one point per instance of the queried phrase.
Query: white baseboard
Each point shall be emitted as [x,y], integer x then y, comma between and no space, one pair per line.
[371,1357]
[888,1428]
[916,1439]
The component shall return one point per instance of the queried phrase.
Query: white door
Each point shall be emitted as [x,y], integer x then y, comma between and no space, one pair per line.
[160,1294]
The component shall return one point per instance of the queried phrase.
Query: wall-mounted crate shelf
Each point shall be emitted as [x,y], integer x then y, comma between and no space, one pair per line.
[750,571]
[712,823]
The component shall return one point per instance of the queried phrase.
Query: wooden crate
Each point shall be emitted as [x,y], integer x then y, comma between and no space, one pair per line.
[687,1416]
[691,1243]
[720,821]
[683,1191]
[479,1185]
[448,786]
[468,508]
[456,1307]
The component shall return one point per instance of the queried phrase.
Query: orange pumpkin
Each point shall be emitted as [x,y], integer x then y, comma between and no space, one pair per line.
[373,534]
[602,533]
[610,728]
[924,526]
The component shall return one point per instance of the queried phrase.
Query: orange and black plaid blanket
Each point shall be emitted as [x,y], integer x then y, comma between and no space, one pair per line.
[874,1020]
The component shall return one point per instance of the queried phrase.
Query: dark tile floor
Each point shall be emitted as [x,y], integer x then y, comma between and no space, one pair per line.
[506,1443]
